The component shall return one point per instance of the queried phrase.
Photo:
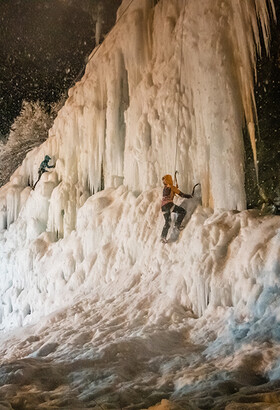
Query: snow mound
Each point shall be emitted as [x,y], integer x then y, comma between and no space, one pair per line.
[126,321]
[221,259]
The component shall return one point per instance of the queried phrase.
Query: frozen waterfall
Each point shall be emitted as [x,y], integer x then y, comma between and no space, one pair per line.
[93,307]
[169,88]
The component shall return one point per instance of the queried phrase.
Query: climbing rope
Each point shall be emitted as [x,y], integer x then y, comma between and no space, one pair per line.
[178,105]
[180,87]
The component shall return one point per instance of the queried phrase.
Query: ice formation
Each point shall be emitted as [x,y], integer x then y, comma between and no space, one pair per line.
[168,88]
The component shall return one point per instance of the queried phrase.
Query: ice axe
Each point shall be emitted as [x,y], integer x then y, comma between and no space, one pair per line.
[176,182]
[175,178]
[195,187]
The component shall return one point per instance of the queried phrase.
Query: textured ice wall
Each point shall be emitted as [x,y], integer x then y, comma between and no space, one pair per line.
[168,89]
[225,259]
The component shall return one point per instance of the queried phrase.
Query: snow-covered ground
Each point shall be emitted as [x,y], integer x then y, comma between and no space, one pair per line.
[95,311]
[124,321]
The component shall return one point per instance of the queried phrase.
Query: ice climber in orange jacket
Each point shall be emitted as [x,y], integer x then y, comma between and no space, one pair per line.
[167,205]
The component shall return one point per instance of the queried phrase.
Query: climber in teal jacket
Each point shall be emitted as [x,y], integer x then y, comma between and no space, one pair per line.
[42,168]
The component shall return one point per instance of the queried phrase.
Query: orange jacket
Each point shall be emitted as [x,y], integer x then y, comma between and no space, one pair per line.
[169,190]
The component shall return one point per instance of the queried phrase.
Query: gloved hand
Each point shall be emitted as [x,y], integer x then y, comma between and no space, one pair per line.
[185,195]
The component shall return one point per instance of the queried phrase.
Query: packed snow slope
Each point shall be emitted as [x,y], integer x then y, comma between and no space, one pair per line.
[133,321]
[113,318]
